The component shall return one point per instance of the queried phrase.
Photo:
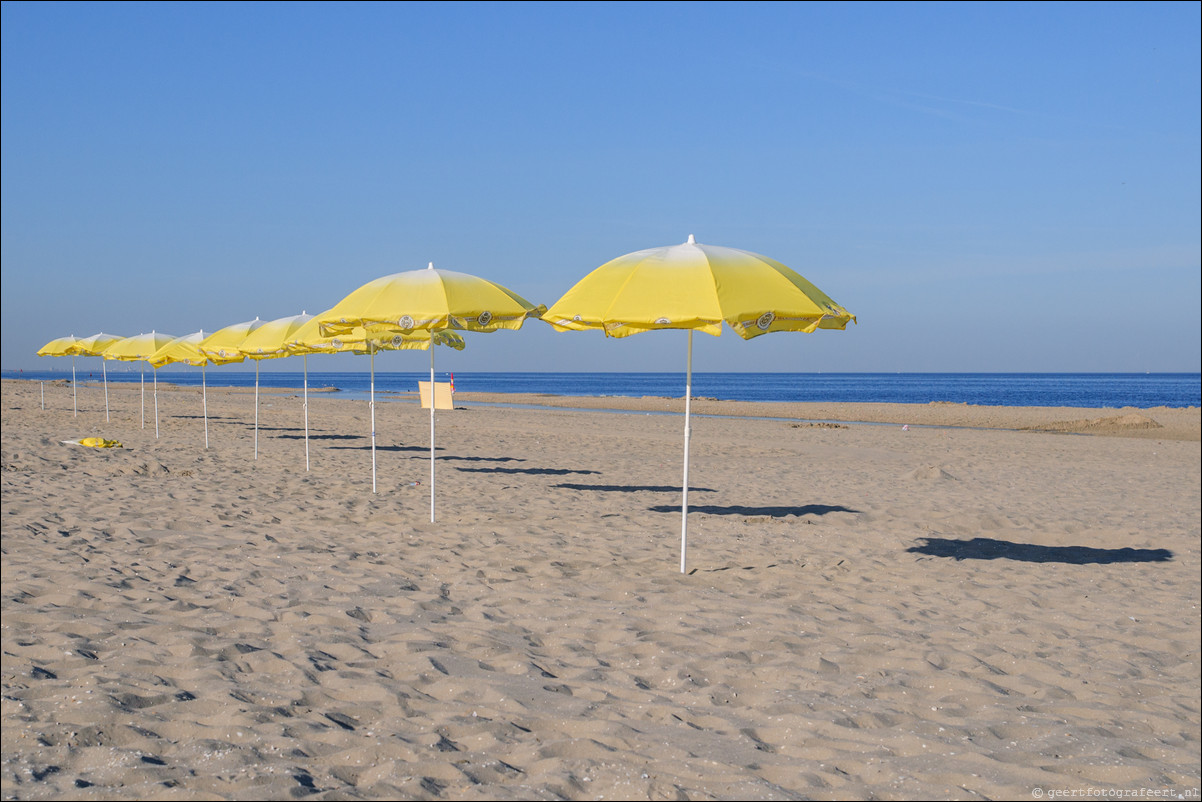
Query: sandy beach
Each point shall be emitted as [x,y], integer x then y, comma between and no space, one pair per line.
[987,603]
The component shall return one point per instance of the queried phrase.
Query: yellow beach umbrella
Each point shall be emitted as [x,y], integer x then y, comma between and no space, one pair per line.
[186,350]
[430,300]
[270,341]
[308,339]
[96,345]
[224,347]
[140,348]
[695,287]
[63,346]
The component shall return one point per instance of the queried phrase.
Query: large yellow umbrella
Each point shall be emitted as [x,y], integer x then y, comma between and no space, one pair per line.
[63,346]
[270,341]
[308,339]
[695,287]
[224,347]
[186,349]
[140,348]
[430,300]
[96,345]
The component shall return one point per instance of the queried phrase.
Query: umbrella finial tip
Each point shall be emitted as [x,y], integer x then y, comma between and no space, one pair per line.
[691,240]
[430,266]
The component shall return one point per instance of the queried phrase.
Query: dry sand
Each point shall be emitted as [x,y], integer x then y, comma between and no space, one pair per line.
[967,608]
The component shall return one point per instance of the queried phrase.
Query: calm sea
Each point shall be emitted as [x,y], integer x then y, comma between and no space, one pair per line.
[995,389]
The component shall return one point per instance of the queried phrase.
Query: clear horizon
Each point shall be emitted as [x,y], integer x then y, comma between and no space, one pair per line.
[990,188]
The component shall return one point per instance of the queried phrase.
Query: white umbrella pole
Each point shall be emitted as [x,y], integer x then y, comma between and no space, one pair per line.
[431,427]
[143,396]
[306,361]
[74,391]
[372,352]
[204,394]
[105,371]
[684,503]
[156,403]
[256,409]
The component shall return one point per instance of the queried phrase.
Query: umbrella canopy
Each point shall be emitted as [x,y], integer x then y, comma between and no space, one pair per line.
[695,287]
[96,345]
[270,340]
[140,348]
[224,346]
[184,350]
[308,339]
[64,346]
[430,300]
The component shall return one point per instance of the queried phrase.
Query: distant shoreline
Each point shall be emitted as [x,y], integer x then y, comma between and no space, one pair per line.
[1164,423]
[1086,390]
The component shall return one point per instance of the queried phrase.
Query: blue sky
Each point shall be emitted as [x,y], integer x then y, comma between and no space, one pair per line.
[988,187]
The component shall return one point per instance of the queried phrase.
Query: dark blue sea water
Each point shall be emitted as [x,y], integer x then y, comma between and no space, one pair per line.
[995,389]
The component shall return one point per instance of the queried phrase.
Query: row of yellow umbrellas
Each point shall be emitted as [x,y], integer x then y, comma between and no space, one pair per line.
[689,286]
[254,339]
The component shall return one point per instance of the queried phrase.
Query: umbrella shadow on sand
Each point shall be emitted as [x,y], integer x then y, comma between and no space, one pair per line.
[418,449]
[985,548]
[485,459]
[634,488]
[538,471]
[322,436]
[771,512]
[281,432]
